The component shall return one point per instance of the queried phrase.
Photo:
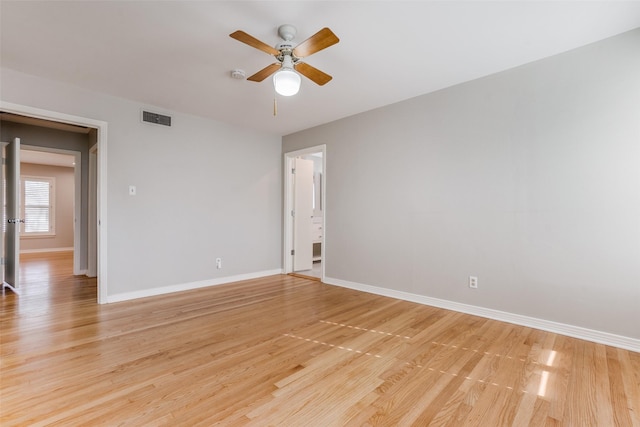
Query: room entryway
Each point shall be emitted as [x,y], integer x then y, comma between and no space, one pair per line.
[304,233]
[47,278]
[89,198]
[45,198]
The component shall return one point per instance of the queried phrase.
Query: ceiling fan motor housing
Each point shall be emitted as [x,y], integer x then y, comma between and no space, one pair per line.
[285,46]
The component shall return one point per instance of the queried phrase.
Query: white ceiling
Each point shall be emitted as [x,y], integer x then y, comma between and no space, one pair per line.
[177,55]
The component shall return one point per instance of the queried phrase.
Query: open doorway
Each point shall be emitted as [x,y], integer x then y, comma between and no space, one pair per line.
[305,200]
[51,202]
[51,196]
[96,138]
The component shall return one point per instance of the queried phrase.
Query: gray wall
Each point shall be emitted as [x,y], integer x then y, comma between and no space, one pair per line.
[55,138]
[63,207]
[204,190]
[528,179]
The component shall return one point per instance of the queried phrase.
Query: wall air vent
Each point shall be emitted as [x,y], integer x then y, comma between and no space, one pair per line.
[156,118]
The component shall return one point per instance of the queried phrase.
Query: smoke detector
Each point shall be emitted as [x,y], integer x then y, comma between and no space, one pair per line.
[238,74]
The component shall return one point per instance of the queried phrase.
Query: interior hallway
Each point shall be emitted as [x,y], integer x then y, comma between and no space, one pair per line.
[49,277]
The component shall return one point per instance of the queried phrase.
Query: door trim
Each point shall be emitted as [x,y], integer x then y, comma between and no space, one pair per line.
[92,223]
[288,206]
[101,144]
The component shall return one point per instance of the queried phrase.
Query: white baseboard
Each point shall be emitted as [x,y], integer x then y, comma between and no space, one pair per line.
[37,251]
[606,338]
[189,286]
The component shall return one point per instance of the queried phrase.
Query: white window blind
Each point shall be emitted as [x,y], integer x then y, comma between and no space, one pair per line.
[37,205]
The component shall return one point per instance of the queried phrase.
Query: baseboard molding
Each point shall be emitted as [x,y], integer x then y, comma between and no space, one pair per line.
[606,338]
[189,286]
[45,250]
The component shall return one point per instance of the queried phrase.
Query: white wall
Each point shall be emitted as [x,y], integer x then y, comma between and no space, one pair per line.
[528,179]
[204,190]
[63,207]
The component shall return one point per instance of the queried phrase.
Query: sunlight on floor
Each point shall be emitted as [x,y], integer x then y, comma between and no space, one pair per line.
[542,389]
[544,377]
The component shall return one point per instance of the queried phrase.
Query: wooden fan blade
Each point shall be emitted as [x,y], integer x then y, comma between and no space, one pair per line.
[245,38]
[312,73]
[320,40]
[264,73]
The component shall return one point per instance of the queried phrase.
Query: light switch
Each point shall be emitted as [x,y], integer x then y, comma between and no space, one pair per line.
[132,190]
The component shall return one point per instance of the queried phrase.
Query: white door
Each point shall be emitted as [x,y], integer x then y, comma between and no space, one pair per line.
[303,215]
[11,236]
[3,221]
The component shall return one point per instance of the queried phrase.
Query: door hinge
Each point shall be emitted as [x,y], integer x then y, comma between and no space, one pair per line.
[293,170]
[293,213]
[293,251]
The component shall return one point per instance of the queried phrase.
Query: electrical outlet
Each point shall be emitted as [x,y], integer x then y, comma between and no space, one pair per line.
[218,263]
[473,282]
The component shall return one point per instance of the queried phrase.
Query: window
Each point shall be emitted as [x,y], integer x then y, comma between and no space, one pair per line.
[37,196]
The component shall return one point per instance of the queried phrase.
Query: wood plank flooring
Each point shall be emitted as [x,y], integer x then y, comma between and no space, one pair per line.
[287,351]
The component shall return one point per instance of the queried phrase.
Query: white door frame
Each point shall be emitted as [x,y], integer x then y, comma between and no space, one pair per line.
[101,144]
[288,206]
[77,196]
[92,223]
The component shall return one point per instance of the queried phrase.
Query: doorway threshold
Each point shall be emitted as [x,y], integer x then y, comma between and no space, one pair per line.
[304,276]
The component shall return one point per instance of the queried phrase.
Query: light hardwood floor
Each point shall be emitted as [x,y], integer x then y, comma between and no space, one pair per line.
[286,351]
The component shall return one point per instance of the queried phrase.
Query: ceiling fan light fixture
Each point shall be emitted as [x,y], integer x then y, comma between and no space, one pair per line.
[286,82]
[286,72]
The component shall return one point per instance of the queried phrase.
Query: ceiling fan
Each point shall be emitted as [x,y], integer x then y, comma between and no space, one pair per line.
[286,80]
